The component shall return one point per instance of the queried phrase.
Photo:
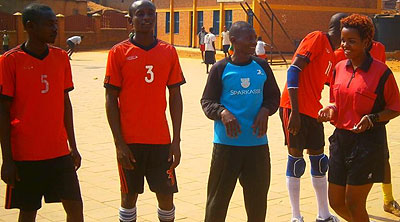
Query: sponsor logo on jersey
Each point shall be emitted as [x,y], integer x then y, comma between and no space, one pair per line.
[245,82]
[129,58]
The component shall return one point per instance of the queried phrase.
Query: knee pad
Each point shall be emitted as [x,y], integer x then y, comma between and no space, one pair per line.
[319,165]
[295,166]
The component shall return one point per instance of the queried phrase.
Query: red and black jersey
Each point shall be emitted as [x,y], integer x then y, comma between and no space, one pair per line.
[317,50]
[370,88]
[142,74]
[36,85]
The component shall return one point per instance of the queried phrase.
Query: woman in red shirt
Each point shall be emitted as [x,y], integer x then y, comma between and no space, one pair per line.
[365,97]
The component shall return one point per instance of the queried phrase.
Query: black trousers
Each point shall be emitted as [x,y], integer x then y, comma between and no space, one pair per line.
[253,168]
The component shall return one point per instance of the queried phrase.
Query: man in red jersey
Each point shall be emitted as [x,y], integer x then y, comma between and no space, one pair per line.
[40,157]
[390,205]
[300,103]
[136,81]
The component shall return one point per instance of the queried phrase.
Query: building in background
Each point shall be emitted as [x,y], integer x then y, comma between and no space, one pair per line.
[179,21]
[65,7]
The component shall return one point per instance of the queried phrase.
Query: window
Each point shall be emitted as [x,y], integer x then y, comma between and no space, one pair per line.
[199,21]
[228,19]
[176,22]
[167,21]
[216,22]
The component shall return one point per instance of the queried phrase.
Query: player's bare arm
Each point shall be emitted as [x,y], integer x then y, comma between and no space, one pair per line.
[231,124]
[69,127]
[294,118]
[8,169]
[176,110]
[124,155]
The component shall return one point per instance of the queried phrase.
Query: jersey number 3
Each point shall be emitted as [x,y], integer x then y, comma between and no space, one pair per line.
[150,77]
[43,78]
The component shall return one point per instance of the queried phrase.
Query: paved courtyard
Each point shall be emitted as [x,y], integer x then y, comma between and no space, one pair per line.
[99,177]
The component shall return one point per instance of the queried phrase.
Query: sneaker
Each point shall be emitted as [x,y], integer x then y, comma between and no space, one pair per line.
[392,207]
[297,220]
[329,219]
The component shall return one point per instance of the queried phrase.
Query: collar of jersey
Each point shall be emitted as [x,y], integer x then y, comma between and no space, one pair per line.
[40,57]
[240,64]
[365,65]
[146,48]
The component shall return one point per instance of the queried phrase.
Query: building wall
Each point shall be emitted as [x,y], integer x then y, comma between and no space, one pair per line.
[117,4]
[65,7]
[299,17]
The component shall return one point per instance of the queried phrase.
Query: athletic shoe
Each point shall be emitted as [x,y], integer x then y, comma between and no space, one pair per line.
[329,219]
[297,220]
[392,207]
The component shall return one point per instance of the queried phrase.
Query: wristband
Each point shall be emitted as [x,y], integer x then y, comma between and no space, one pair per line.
[374,117]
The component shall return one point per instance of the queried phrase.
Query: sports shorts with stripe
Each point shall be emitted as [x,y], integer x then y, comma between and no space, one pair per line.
[54,179]
[152,163]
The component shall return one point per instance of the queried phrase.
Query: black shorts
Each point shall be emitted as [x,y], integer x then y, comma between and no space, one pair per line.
[55,179]
[225,48]
[209,57]
[311,134]
[152,163]
[357,159]
[70,44]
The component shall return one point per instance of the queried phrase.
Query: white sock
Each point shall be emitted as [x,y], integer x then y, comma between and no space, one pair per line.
[166,215]
[127,215]
[321,191]
[293,185]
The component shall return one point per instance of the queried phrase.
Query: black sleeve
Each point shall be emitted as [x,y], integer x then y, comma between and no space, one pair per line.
[271,90]
[210,101]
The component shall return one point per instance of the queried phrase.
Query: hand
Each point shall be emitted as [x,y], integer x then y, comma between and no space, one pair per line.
[325,114]
[363,125]
[76,157]
[261,122]
[124,156]
[294,123]
[231,124]
[9,173]
[175,154]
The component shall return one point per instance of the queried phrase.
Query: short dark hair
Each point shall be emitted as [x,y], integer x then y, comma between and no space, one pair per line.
[238,27]
[363,24]
[34,12]
[135,4]
[211,29]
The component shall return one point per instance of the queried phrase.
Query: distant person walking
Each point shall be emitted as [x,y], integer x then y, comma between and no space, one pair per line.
[226,43]
[209,41]
[202,34]
[6,39]
[72,42]
[260,48]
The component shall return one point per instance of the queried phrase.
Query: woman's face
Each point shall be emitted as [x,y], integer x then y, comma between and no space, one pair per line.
[354,47]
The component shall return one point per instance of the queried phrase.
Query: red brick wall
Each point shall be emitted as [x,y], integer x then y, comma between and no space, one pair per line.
[183,37]
[161,27]
[297,29]
[336,3]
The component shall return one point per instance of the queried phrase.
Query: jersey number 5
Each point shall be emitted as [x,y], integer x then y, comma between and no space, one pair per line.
[43,78]
[150,77]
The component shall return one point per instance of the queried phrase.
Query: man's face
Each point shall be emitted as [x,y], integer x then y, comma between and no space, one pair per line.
[245,42]
[143,18]
[44,29]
